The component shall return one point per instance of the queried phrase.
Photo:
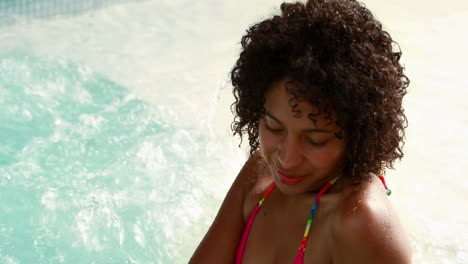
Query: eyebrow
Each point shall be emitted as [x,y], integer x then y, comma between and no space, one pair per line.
[308,130]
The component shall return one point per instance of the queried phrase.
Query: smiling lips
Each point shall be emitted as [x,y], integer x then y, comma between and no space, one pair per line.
[289,180]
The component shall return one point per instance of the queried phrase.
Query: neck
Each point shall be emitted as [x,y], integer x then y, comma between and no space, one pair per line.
[306,197]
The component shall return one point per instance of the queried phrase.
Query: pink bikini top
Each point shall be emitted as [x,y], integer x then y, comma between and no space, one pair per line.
[300,254]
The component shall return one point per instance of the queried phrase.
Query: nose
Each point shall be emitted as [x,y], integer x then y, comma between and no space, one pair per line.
[289,154]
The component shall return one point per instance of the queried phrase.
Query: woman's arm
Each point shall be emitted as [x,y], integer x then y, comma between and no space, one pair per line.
[222,239]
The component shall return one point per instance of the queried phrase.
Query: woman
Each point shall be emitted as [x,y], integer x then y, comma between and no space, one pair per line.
[319,93]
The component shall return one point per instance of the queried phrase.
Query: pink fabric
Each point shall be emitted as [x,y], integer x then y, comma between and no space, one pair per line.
[299,257]
[240,250]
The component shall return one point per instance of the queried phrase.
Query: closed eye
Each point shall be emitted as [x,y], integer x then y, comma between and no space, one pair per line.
[316,144]
[274,130]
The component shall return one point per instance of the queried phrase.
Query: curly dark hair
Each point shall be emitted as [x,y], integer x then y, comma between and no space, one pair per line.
[338,51]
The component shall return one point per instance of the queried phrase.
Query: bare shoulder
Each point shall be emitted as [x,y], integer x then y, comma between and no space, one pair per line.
[253,172]
[367,229]
[221,241]
[258,179]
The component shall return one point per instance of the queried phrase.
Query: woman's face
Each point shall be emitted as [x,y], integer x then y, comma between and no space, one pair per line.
[302,154]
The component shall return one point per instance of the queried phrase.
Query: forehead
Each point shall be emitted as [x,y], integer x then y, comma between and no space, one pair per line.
[282,102]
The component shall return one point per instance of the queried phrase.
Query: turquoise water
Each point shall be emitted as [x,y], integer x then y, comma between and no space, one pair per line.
[88,172]
[110,150]
[10,10]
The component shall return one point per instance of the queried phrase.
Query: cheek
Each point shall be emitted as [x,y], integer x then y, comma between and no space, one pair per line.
[329,159]
[268,142]
[326,158]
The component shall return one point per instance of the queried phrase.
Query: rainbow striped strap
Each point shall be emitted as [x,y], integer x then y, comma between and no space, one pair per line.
[313,210]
